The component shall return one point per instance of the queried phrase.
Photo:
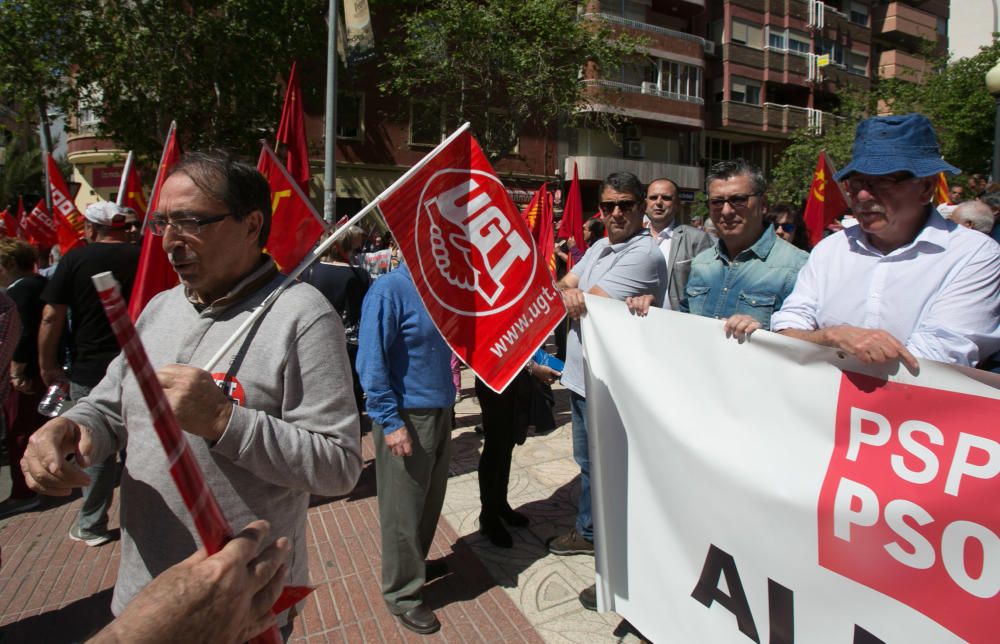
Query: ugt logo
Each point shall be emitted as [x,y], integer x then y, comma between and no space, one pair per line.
[475,255]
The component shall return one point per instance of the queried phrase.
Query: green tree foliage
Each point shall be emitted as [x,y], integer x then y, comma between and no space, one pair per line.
[22,172]
[953,97]
[503,66]
[213,65]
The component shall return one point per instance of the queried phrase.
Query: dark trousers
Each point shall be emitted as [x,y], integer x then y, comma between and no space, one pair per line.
[505,424]
[16,439]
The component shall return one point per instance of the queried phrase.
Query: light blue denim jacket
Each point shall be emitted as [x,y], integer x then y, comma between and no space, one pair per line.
[755,283]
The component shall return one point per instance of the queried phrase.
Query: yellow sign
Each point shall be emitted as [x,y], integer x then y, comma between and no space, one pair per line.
[823,61]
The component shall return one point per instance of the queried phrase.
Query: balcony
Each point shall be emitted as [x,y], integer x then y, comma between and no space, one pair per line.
[597,168]
[899,64]
[792,8]
[657,38]
[785,66]
[743,55]
[902,22]
[86,148]
[780,120]
[784,118]
[754,5]
[644,102]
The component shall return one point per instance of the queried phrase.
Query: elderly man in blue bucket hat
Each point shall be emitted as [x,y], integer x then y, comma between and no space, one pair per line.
[905,283]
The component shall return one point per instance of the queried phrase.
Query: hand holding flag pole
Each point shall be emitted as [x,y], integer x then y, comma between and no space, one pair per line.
[211,524]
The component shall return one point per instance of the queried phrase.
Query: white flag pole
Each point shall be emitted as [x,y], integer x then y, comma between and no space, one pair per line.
[122,185]
[318,252]
[156,179]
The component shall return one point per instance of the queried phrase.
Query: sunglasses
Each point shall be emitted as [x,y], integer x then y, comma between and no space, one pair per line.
[737,202]
[788,228]
[625,205]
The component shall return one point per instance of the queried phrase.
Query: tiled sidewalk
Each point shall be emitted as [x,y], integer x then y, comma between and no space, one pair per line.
[54,590]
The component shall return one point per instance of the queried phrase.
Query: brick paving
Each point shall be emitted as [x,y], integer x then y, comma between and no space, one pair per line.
[56,590]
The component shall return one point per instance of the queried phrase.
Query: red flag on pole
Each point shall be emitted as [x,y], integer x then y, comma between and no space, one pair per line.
[64,211]
[130,194]
[539,217]
[41,229]
[826,200]
[21,220]
[292,133]
[572,219]
[154,274]
[295,224]
[473,260]
[8,222]
[532,214]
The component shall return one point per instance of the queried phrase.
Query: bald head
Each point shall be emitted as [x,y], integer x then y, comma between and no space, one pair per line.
[975,215]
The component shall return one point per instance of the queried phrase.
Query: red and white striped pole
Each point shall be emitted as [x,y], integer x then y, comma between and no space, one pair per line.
[209,521]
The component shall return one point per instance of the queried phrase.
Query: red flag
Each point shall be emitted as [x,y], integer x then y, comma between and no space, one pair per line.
[133,197]
[155,273]
[532,214]
[826,200]
[21,220]
[65,216]
[8,223]
[473,262]
[40,227]
[539,217]
[572,219]
[941,190]
[295,225]
[292,133]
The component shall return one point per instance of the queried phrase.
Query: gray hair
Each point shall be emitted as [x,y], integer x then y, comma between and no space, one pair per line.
[991,199]
[975,213]
[736,168]
[625,182]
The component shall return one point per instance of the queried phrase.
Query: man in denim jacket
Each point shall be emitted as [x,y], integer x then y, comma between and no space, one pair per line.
[749,270]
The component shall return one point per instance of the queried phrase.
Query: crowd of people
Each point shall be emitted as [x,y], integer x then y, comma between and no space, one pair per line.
[281,419]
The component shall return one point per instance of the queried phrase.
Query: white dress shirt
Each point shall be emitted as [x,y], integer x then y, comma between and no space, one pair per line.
[939,295]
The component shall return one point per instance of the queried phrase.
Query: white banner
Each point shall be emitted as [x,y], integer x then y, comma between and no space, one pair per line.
[777,491]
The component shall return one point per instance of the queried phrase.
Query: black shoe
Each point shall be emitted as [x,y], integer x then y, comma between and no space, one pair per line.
[435,569]
[493,530]
[513,518]
[420,619]
[588,597]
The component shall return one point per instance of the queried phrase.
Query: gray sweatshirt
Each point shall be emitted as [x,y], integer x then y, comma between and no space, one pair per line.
[295,432]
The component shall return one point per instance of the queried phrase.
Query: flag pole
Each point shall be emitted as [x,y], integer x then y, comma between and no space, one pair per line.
[159,169]
[123,184]
[321,249]
[330,125]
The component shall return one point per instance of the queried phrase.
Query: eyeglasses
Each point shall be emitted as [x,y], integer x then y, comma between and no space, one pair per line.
[190,226]
[625,205]
[737,202]
[877,184]
[659,197]
[788,228]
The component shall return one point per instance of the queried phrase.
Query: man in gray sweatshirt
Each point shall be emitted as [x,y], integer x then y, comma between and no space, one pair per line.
[275,423]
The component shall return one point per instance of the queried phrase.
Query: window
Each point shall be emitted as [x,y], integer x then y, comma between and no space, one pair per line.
[835,49]
[350,116]
[746,34]
[859,13]
[777,40]
[717,150]
[798,42]
[680,79]
[857,63]
[744,90]
[426,123]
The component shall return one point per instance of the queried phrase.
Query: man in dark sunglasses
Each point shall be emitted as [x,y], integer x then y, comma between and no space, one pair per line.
[678,243]
[625,263]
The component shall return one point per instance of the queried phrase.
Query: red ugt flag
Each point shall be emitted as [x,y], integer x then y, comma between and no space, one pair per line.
[40,228]
[826,200]
[295,226]
[64,210]
[155,273]
[474,261]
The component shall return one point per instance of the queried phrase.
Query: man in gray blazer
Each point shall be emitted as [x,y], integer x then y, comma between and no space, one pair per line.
[678,243]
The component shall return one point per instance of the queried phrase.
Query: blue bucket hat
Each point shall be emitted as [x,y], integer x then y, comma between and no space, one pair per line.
[897,143]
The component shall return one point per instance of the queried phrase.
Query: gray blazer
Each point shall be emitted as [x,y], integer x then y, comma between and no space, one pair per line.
[685,243]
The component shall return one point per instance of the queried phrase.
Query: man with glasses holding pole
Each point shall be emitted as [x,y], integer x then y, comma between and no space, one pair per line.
[626,263]
[905,283]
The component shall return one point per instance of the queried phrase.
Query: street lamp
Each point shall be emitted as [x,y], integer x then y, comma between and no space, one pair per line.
[993,86]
